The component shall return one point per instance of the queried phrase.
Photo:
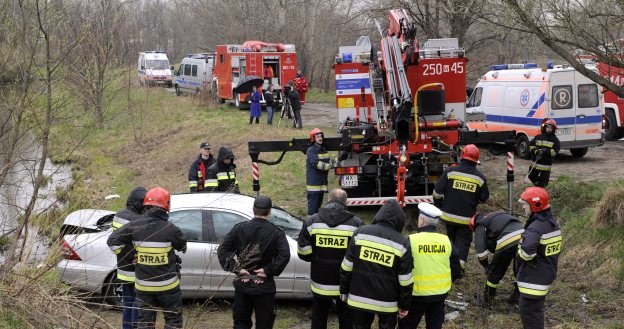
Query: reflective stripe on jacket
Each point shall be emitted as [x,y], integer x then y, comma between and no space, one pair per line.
[317,168]
[323,242]
[459,190]
[154,238]
[538,254]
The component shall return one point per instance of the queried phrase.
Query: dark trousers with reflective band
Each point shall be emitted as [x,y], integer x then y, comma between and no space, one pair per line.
[169,302]
[539,178]
[532,312]
[320,311]
[433,312]
[130,313]
[364,320]
[315,200]
[500,263]
[245,305]
[461,237]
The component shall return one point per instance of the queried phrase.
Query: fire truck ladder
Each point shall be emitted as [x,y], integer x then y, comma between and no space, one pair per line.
[399,90]
[252,63]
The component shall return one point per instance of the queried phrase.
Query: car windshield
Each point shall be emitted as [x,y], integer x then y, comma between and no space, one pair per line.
[159,64]
[290,224]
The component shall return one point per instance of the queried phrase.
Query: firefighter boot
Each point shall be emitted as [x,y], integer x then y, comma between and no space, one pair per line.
[515,296]
[488,296]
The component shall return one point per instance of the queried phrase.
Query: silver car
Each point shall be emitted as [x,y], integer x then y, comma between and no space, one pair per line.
[205,218]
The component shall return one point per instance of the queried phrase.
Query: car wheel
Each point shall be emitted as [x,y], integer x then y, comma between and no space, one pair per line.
[522,146]
[579,153]
[111,291]
[177,90]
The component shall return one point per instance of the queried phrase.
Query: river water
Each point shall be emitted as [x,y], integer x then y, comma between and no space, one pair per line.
[17,190]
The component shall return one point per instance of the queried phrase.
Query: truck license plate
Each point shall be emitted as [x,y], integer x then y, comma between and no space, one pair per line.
[349,180]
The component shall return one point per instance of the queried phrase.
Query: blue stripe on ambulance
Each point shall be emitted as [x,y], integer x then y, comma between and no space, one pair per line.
[537,104]
[537,121]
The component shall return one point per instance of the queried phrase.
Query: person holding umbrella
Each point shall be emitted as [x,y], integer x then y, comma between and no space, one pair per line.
[256,109]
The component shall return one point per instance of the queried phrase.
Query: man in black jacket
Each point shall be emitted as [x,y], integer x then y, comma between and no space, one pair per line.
[497,233]
[295,102]
[543,147]
[323,242]
[457,193]
[376,273]
[197,172]
[262,252]
[125,258]
[436,267]
[157,281]
[221,176]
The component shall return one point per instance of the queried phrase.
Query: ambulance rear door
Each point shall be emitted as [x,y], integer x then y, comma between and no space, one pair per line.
[562,104]
[589,111]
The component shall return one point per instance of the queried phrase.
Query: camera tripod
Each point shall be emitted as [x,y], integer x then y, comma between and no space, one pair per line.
[287,110]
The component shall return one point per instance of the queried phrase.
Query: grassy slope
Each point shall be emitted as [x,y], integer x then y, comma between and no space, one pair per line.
[113,161]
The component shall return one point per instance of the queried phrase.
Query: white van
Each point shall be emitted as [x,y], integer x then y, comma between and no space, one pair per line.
[521,97]
[194,73]
[153,69]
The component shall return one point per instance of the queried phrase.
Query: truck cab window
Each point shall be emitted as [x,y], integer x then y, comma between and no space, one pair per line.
[475,98]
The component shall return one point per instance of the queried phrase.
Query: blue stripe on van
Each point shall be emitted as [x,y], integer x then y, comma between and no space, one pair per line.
[186,82]
[537,121]
[536,105]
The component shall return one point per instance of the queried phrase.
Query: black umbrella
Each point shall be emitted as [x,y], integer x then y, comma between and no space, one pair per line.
[246,84]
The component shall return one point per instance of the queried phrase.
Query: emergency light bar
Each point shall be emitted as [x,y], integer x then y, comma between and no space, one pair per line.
[514,66]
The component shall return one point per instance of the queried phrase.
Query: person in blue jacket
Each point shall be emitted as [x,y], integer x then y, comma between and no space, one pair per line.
[256,108]
[317,169]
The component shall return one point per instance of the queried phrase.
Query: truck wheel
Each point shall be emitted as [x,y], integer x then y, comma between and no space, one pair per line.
[237,102]
[177,90]
[611,128]
[522,147]
[579,153]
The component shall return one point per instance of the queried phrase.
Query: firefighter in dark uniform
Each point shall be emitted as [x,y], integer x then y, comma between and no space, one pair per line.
[497,233]
[197,172]
[538,255]
[323,242]
[255,251]
[317,168]
[155,240]
[125,257]
[457,193]
[221,176]
[436,266]
[376,273]
[543,148]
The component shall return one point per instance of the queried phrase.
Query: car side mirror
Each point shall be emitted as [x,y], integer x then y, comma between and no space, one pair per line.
[172,68]
[142,67]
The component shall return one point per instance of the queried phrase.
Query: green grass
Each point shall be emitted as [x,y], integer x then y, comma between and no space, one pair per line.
[316,95]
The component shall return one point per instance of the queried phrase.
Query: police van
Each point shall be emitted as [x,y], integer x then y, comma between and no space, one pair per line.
[153,68]
[194,73]
[522,97]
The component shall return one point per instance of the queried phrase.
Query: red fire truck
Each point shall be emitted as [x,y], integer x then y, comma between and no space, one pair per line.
[400,114]
[275,62]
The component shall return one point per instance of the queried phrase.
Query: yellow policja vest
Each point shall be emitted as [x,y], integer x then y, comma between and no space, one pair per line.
[432,265]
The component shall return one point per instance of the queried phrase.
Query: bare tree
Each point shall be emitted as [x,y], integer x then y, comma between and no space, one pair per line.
[594,27]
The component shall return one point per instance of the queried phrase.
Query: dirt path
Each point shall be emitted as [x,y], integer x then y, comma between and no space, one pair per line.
[599,164]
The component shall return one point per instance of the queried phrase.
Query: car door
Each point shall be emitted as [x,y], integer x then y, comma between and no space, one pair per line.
[195,267]
[220,223]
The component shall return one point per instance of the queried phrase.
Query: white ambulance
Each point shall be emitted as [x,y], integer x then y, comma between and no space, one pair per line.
[521,97]
[194,73]
[153,68]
